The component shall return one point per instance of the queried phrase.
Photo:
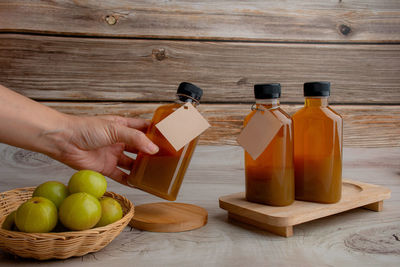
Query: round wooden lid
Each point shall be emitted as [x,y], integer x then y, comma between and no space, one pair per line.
[168,217]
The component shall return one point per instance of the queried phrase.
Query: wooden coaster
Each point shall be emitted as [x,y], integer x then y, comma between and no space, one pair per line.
[168,217]
[280,220]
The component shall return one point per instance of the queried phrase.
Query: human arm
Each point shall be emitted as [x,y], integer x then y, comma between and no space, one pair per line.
[95,143]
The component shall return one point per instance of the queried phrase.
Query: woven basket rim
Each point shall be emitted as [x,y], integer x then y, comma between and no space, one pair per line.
[130,209]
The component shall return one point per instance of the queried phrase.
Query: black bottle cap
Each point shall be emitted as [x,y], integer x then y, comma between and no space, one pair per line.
[267,90]
[190,90]
[317,89]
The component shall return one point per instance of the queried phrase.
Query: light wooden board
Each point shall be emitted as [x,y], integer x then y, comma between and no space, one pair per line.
[353,238]
[268,20]
[282,219]
[364,126]
[168,217]
[61,68]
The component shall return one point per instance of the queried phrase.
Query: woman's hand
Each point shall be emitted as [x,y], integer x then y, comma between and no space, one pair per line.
[98,143]
[95,143]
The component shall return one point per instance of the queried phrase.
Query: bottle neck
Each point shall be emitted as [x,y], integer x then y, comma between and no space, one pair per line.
[183,100]
[316,101]
[268,103]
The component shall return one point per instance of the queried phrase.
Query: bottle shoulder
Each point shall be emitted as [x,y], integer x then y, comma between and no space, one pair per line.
[335,112]
[168,107]
[280,114]
[317,113]
[164,110]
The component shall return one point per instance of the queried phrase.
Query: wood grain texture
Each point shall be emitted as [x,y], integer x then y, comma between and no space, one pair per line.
[310,20]
[168,217]
[366,241]
[355,238]
[364,126]
[59,68]
[285,231]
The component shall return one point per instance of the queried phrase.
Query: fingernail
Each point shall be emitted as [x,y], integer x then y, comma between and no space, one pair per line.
[152,148]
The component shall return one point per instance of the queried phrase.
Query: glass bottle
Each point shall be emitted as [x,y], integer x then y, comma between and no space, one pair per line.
[270,177]
[318,139]
[162,174]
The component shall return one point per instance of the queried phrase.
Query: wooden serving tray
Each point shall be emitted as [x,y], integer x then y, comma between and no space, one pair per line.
[280,220]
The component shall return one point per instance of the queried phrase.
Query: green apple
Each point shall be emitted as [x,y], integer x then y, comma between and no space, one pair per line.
[9,221]
[88,181]
[111,211]
[52,190]
[80,211]
[37,215]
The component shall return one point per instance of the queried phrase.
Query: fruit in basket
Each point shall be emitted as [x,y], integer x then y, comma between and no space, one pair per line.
[88,181]
[52,190]
[60,228]
[80,211]
[111,211]
[9,221]
[37,215]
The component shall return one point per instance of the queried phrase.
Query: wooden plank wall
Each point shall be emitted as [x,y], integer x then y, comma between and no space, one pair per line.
[125,57]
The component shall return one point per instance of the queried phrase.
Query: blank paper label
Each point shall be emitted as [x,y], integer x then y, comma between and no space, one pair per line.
[259,132]
[182,126]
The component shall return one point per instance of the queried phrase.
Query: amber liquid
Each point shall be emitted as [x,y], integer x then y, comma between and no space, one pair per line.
[318,138]
[270,178]
[161,174]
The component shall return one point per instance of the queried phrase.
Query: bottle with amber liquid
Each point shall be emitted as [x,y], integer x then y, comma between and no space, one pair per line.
[318,139]
[270,177]
[162,174]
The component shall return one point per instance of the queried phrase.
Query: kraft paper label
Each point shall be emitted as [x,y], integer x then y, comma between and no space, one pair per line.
[182,126]
[259,132]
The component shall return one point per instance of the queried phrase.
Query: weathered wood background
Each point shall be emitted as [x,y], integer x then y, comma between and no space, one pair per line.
[125,57]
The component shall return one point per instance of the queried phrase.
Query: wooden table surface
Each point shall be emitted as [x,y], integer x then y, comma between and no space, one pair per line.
[354,238]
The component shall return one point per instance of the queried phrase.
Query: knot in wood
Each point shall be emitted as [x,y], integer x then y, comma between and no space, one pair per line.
[111,20]
[344,29]
[25,159]
[379,240]
[159,54]
[242,81]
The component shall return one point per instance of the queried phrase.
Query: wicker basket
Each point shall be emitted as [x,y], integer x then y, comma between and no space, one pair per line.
[63,245]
